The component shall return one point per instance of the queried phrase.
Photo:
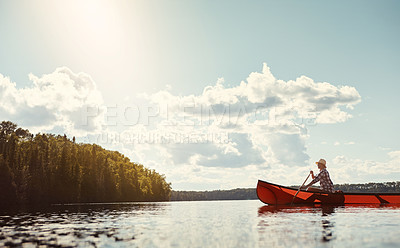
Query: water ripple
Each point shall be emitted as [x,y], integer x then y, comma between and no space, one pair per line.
[200,224]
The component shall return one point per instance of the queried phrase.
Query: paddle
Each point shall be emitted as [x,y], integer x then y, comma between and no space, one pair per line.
[300,188]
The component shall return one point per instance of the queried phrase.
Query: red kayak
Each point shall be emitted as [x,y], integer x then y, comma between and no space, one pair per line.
[273,194]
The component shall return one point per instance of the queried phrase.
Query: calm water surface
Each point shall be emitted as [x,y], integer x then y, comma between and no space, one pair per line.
[201,224]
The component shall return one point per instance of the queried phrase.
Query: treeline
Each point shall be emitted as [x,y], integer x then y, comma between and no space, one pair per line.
[45,169]
[251,194]
[387,187]
[233,194]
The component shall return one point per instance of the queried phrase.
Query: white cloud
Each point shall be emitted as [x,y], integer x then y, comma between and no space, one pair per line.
[350,170]
[270,116]
[59,100]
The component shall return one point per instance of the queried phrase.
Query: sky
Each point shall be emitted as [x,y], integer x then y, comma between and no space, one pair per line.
[212,94]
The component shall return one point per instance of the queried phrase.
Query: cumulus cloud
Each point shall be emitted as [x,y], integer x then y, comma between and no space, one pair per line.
[266,119]
[62,99]
[363,171]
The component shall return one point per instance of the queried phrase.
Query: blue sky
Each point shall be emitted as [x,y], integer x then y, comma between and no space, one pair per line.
[136,54]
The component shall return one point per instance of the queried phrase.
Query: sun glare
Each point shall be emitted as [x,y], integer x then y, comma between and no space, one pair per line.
[88,25]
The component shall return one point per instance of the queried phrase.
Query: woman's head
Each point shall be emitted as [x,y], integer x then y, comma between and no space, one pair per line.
[321,164]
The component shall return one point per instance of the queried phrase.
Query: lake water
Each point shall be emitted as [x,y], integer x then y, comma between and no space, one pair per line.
[201,224]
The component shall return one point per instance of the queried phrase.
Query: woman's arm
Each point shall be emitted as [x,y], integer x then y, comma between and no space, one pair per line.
[315,179]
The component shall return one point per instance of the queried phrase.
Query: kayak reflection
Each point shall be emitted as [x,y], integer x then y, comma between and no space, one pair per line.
[325,209]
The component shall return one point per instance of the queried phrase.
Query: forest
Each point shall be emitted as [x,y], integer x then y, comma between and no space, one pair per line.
[48,169]
[233,194]
[386,187]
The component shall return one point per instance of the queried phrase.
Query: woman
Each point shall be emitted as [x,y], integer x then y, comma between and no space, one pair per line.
[322,177]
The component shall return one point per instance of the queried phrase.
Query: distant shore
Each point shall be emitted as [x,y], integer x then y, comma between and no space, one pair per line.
[251,194]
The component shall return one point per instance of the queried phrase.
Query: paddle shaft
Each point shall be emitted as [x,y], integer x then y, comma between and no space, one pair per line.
[300,188]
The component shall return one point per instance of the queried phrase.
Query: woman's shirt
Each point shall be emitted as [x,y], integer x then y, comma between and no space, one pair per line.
[324,180]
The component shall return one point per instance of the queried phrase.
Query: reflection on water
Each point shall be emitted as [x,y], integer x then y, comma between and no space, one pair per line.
[201,224]
[327,225]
